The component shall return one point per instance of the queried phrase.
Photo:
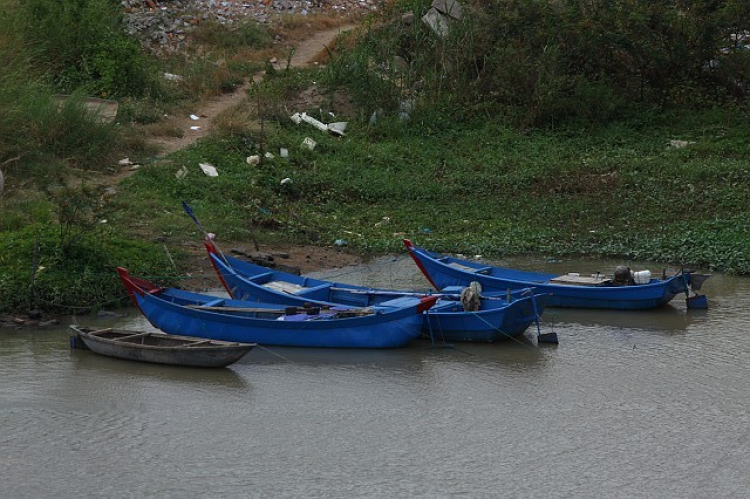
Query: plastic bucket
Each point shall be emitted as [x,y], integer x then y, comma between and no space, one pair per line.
[642,277]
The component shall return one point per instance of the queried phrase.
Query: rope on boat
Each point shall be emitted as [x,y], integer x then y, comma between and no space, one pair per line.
[432,335]
[274,353]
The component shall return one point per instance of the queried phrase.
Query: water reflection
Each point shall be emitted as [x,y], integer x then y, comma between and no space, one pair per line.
[89,365]
[623,394]
[668,318]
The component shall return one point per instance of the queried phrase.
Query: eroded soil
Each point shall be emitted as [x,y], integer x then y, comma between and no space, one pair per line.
[307,258]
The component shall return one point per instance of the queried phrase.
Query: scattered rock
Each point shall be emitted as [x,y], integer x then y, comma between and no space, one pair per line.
[107,314]
[164,26]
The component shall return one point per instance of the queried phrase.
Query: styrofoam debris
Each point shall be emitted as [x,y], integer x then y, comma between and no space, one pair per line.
[309,143]
[317,124]
[209,170]
[253,160]
[337,128]
[182,172]
[678,144]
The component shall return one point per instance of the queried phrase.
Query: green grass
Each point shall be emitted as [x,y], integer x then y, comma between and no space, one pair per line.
[615,191]
[79,277]
[564,164]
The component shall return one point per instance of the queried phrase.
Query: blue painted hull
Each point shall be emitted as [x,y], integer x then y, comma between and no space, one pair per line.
[181,312]
[497,318]
[444,271]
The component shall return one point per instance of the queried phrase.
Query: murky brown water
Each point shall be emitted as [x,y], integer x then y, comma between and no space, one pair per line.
[637,404]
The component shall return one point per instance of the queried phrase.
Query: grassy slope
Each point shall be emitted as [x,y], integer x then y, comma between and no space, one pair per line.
[481,188]
[474,187]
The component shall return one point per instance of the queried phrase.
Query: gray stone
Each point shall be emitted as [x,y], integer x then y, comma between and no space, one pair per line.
[448,7]
[154,27]
[436,22]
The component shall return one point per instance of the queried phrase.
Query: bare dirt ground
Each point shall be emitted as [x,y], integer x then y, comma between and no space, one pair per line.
[201,275]
[307,258]
[309,51]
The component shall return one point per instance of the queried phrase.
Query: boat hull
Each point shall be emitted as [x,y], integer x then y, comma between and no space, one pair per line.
[181,312]
[444,271]
[160,348]
[497,319]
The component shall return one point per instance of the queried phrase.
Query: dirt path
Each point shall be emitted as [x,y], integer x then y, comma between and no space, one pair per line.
[306,53]
[307,258]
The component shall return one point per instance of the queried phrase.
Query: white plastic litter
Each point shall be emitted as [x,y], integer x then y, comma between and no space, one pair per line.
[679,144]
[194,117]
[209,170]
[337,128]
[253,160]
[196,128]
[182,172]
[317,124]
[284,152]
[309,143]
[286,180]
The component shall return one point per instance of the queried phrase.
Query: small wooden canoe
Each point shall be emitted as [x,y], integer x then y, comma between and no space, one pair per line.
[161,348]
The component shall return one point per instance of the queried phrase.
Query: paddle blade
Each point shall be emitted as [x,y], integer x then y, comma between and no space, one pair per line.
[190,213]
[549,338]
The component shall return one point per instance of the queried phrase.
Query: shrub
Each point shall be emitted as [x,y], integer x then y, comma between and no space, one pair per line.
[83,45]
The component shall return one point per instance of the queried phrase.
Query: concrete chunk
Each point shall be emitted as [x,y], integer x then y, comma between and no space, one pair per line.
[448,7]
[436,22]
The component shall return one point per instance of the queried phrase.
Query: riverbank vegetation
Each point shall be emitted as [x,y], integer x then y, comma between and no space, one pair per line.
[558,128]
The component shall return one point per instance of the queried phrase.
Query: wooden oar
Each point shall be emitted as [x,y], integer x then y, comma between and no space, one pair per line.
[131,336]
[284,311]
[452,296]
[98,331]
[387,292]
[195,344]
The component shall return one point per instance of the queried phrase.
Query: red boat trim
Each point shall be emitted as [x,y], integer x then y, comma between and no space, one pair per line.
[426,302]
[211,248]
[135,285]
[410,248]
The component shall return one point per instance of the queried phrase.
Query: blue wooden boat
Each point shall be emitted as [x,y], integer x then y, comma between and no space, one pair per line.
[566,290]
[486,319]
[391,324]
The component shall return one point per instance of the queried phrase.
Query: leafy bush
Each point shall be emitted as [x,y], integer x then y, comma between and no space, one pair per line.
[544,63]
[83,44]
[73,278]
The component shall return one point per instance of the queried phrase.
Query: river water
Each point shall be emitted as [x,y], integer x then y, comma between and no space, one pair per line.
[636,404]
